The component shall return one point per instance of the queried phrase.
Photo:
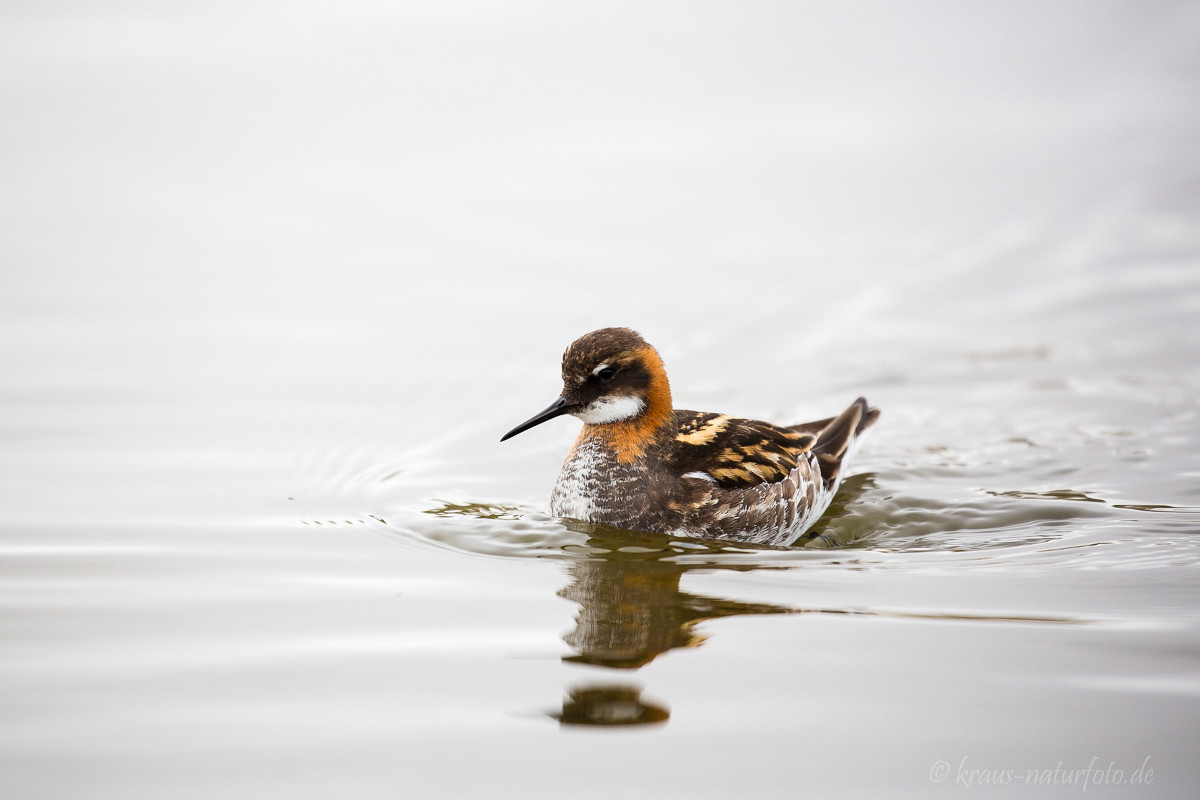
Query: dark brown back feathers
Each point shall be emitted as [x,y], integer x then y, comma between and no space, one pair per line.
[740,453]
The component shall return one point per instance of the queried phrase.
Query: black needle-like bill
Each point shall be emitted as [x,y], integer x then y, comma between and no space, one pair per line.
[556,409]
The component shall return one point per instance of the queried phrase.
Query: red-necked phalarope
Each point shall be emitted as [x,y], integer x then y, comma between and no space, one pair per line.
[641,465]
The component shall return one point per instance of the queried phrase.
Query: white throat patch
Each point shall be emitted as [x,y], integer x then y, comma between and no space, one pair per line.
[611,409]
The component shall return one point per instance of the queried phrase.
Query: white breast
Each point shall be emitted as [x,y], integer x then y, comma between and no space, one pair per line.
[575,492]
[595,487]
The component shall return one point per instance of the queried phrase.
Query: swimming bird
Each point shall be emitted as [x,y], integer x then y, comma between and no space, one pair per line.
[640,464]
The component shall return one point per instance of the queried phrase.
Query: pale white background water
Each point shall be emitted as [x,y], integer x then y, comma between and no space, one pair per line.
[275,277]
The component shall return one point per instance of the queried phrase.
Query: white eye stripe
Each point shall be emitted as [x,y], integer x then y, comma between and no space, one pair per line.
[599,369]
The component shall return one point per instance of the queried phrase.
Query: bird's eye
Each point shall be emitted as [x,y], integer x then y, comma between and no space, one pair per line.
[606,374]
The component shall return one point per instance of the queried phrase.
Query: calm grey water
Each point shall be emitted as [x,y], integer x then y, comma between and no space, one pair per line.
[275,279]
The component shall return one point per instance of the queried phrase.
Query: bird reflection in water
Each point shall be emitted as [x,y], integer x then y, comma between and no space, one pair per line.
[609,705]
[631,610]
[630,606]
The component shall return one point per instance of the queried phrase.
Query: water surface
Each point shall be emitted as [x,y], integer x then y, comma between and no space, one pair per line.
[275,281]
